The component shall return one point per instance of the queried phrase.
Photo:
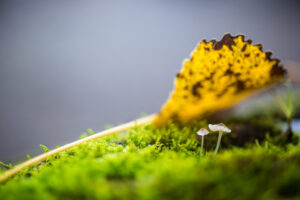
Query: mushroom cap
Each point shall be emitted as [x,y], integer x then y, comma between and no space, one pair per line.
[203,131]
[219,127]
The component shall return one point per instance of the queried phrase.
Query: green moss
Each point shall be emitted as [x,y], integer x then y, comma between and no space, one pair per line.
[150,163]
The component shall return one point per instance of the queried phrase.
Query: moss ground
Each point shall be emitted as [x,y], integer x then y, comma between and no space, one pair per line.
[165,163]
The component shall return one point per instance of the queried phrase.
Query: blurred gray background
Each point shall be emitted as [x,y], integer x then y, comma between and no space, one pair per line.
[66,66]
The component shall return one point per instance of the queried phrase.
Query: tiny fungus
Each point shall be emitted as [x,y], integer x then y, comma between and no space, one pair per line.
[202,132]
[221,128]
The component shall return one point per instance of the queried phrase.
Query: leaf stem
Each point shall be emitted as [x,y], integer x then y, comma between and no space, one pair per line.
[141,121]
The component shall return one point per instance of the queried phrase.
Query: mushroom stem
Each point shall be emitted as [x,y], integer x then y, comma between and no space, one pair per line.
[219,141]
[202,144]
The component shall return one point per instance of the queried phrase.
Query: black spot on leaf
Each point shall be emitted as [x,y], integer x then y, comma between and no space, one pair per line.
[195,88]
[244,48]
[228,72]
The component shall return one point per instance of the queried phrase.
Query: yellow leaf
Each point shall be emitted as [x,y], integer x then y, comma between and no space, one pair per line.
[219,75]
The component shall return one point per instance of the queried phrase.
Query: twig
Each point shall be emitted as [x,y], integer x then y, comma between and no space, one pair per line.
[142,121]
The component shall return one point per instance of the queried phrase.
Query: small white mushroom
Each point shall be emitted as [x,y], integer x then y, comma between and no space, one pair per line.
[202,132]
[221,128]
